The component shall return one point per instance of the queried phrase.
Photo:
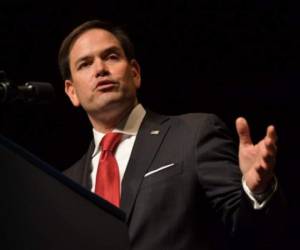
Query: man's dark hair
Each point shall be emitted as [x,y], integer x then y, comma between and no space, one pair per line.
[68,42]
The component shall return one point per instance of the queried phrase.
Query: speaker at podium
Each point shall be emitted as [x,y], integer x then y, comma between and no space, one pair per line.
[43,209]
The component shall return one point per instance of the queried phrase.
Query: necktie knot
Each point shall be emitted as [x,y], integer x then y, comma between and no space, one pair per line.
[110,141]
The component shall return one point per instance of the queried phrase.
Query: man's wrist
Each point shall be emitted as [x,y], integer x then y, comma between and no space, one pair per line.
[271,187]
[260,199]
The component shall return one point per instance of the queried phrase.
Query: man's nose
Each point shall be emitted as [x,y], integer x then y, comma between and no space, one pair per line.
[101,68]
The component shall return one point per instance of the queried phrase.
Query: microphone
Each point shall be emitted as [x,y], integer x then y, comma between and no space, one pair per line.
[41,92]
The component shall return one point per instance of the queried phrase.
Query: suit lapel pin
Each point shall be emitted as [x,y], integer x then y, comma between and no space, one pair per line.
[154,132]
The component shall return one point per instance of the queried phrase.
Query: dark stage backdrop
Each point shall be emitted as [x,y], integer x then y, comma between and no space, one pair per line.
[231,58]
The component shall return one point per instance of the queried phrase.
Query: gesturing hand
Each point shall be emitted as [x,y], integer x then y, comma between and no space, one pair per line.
[256,161]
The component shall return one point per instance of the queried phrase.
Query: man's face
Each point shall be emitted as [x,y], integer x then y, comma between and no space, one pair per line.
[102,79]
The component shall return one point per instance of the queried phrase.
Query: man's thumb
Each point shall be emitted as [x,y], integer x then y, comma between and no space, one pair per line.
[243,130]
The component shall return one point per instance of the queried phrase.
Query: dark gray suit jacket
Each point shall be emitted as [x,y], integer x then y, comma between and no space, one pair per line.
[195,199]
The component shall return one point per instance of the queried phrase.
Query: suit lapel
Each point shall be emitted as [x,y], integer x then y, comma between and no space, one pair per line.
[86,180]
[149,138]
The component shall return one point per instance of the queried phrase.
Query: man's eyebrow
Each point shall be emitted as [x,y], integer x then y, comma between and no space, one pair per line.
[113,49]
[81,59]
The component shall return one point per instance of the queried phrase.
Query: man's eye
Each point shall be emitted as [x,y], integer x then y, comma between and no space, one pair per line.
[113,57]
[83,65]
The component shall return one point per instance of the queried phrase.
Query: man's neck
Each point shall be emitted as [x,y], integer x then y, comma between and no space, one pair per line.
[107,122]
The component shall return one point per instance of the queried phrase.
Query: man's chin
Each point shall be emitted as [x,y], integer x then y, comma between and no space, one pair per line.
[107,105]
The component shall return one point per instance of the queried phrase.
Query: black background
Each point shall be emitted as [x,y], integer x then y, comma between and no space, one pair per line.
[231,58]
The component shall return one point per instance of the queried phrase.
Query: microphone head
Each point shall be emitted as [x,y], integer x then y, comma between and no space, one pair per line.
[30,92]
[38,92]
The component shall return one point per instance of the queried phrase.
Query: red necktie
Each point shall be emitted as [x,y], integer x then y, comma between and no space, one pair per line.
[108,177]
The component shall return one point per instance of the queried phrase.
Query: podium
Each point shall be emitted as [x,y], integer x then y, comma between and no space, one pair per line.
[42,209]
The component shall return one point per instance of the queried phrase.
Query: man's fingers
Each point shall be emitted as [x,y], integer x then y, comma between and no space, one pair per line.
[271,139]
[268,156]
[243,130]
[271,133]
[270,144]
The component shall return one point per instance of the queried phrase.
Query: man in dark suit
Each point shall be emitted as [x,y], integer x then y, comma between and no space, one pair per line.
[183,185]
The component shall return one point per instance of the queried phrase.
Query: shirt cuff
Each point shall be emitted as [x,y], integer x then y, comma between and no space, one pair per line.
[260,200]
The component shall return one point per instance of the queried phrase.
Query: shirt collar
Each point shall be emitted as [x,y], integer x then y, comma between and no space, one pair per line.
[129,127]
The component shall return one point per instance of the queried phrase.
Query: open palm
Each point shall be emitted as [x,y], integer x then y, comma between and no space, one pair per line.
[256,161]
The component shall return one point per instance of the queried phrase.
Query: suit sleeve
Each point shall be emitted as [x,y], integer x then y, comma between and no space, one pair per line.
[217,169]
[221,179]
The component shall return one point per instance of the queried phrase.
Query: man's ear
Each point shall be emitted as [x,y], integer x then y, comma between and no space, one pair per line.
[136,72]
[71,92]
